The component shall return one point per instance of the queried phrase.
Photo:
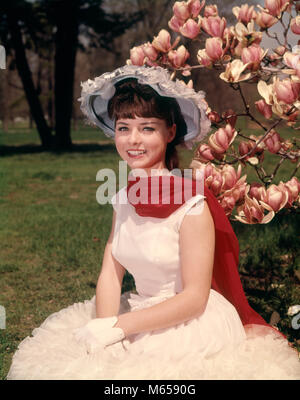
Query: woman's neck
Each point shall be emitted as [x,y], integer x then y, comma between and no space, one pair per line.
[148,172]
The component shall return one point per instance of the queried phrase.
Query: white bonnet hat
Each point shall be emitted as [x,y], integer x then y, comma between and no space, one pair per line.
[95,96]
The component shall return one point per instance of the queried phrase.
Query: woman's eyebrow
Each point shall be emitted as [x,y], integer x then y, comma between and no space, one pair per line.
[142,123]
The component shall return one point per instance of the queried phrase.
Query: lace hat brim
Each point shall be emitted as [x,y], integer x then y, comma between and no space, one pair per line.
[96,94]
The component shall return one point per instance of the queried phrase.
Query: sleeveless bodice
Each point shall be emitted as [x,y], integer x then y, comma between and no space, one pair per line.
[148,247]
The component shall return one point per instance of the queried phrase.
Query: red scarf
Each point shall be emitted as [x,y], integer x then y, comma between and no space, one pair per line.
[226,279]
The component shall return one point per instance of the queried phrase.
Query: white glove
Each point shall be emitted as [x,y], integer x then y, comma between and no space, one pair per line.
[99,333]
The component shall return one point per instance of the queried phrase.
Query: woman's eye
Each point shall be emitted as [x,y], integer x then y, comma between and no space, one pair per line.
[122,128]
[148,128]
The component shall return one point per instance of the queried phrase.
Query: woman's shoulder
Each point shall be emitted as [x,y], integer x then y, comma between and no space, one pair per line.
[119,199]
[193,206]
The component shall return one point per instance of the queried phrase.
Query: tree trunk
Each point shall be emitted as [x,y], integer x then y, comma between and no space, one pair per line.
[4,99]
[50,105]
[65,54]
[30,121]
[75,119]
[26,77]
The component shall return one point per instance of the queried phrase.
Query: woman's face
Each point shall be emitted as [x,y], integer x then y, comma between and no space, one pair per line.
[142,142]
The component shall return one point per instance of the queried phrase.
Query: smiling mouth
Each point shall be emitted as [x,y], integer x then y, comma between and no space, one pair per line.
[135,153]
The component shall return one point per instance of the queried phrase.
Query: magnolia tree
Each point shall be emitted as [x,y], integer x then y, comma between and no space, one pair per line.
[236,51]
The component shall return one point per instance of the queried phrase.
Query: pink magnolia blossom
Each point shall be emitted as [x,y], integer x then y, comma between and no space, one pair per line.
[275,7]
[247,35]
[181,10]
[234,196]
[286,5]
[212,176]
[162,42]
[286,90]
[276,197]
[253,56]
[295,25]
[244,13]
[190,29]
[214,26]
[257,191]
[195,7]
[228,203]
[252,212]
[150,51]
[292,60]
[211,10]
[239,190]
[204,153]
[230,176]
[222,139]
[264,108]
[209,170]
[265,20]
[178,57]
[273,142]
[293,188]
[175,24]
[214,48]
[203,58]
[234,71]
[137,56]
[214,183]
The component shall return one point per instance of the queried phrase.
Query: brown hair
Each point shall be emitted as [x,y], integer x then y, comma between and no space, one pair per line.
[134,99]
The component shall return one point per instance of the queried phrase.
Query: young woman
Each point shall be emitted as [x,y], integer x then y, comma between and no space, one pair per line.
[190,318]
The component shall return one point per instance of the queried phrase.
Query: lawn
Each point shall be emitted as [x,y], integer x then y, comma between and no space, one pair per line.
[53,233]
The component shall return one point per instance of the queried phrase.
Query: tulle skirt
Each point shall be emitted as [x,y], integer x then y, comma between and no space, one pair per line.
[213,345]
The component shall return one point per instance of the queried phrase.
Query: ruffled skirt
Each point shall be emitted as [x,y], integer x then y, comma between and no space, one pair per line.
[211,346]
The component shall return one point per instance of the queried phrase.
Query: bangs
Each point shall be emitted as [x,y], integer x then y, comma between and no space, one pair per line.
[132,105]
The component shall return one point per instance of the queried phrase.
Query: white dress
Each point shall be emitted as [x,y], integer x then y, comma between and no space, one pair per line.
[213,345]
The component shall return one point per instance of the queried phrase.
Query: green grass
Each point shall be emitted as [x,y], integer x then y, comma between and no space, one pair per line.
[53,231]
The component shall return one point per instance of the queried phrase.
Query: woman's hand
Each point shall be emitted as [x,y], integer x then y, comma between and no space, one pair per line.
[99,333]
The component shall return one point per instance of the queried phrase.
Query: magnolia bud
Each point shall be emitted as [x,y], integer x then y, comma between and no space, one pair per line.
[195,7]
[211,10]
[214,26]
[190,29]
[181,10]
[137,56]
[264,108]
[214,48]
[286,90]
[265,20]
[295,25]
[162,42]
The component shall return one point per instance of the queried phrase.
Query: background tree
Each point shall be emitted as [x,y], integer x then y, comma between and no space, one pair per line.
[57,24]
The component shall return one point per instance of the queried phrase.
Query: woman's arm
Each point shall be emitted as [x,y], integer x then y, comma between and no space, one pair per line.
[197,243]
[109,285]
